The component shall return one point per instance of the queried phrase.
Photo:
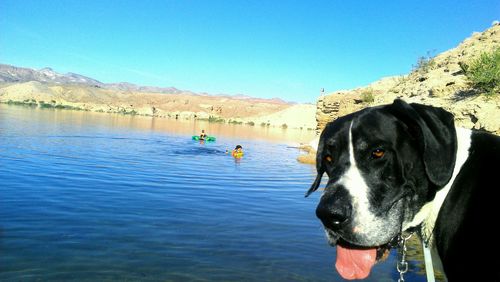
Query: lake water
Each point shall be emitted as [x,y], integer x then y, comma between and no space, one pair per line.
[101,197]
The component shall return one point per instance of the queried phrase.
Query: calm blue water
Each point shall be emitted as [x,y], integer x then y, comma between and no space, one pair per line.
[97,197]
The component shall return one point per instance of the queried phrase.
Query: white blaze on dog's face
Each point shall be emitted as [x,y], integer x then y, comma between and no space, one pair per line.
[368,226]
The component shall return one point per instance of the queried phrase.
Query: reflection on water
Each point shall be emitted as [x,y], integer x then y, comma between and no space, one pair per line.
[414,253]
[101,121]
[98,197]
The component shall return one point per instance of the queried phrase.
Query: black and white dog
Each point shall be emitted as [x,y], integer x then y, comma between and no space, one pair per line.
[403,166]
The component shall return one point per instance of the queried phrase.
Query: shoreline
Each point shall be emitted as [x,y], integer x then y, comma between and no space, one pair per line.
[189,127]
[300,119]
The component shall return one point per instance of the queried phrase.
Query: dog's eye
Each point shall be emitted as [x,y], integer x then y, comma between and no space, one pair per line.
[378,153]
[329,158]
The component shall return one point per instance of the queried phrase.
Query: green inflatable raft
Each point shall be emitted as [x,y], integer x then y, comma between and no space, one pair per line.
[208,138]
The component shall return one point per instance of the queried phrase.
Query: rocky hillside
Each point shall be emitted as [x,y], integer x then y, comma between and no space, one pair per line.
[46,88]
[437,81]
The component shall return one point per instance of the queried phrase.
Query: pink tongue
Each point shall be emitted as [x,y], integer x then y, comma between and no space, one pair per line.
[353,263]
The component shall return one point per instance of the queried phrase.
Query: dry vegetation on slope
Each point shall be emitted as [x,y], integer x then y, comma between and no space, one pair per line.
[438,81]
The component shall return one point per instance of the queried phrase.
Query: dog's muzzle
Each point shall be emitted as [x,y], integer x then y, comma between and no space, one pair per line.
[334,210]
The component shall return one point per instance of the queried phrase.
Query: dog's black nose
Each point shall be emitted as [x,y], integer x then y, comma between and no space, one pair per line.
[334,212]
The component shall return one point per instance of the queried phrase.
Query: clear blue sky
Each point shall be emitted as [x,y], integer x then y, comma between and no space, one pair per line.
[285,49]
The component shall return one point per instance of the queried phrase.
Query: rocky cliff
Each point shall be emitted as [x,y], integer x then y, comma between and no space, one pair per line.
[437,81]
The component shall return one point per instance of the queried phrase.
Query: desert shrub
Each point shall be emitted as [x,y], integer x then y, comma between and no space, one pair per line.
[11,102]
[67,107]
[28,103]
[44,105]
[284,126]
[251,123]
[122,111]
[367,96]
[215,119]
[483,73]
[424,64]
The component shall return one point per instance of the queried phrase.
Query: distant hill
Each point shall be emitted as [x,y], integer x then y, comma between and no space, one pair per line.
[46,88]
[46,75]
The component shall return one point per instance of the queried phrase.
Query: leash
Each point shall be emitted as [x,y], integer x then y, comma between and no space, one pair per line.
[402,264]
[429,270]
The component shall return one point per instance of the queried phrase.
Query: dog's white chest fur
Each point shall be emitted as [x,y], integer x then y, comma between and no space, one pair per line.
[428,214]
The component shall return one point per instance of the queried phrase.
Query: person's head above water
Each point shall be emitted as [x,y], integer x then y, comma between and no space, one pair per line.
[238,147]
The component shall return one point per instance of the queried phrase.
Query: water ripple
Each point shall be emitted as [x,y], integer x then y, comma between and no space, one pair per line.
[93,202]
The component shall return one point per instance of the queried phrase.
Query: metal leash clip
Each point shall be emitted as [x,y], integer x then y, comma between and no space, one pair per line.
[402,264]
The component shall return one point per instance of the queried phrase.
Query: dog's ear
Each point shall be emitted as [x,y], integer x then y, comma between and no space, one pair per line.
[319,168]
[315,184]
[435,131]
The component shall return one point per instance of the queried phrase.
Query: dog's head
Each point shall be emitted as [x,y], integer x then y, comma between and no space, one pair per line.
[383,164]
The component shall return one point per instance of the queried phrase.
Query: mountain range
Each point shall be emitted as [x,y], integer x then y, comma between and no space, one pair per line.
[47,88]
[14,74]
